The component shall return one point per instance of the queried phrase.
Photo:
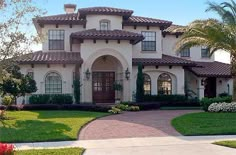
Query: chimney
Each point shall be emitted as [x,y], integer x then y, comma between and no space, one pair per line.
[69,8]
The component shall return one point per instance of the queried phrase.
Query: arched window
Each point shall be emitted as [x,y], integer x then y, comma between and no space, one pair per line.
[164,84]
[104,25]
[147,84]
[53,83]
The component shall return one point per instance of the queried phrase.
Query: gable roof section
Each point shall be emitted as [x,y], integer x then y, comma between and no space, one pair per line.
[105,11]
[212,69]
[51,58]
[165,60]
[109,35]
[145,21]
[71,18]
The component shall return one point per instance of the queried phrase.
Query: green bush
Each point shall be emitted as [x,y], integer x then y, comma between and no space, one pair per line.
[61,99]
[170,98]
[206,102]
[133,108]
[7,100]
[115,110]
[122,107]
[51,99]
[39,99]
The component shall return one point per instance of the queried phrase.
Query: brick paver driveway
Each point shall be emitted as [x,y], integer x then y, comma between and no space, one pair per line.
[133,124]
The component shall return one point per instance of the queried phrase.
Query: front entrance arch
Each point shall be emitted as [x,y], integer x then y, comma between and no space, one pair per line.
[106,72]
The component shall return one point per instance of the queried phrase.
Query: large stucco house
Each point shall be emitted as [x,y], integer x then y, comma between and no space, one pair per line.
[105,45]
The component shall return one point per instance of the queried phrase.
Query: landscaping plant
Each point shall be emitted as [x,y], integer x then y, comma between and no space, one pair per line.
[206,102]
[139,84]
[222,107]
[6,149]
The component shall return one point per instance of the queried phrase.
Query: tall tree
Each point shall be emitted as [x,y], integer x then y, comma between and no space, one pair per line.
[213,33]
[139,84]
[15,29]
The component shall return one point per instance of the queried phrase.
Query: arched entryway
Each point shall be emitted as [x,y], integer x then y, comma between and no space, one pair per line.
[107,76]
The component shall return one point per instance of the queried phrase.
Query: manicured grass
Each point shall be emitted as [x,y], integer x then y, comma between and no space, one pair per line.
[231,144]
[70,151]
[181,108]
[32,126]
[206,124]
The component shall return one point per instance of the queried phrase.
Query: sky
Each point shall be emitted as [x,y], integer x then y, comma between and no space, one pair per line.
[180,12]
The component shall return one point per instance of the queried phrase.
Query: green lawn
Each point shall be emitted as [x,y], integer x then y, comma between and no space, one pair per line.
[206,124]
[32,126]
[231,144]
[70,151]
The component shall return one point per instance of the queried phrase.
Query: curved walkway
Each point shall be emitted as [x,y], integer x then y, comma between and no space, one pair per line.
[133,124]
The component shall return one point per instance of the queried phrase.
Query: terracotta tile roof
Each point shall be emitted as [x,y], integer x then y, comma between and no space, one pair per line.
[144,21]
[71,18]
[166,60]
[109,34]
[105,11]
[212,69]
[51,58]
[174,29]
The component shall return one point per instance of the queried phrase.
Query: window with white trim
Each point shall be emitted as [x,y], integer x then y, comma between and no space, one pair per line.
[56,39]
[164,84]
[185,52]
[53,83]
[147,84]
[104,25]
[149,43]
[205,52]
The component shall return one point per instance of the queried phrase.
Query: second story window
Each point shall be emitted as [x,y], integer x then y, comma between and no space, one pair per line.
[31,74]
[104,25]
[185,52]
[149,43]
[56,39]
[205,52]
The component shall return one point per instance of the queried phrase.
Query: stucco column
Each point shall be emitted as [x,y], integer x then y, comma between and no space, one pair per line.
[180,83]
[201,88]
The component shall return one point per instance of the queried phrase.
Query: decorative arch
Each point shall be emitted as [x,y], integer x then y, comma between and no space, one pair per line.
[53,83]
[164,84]
[147,84]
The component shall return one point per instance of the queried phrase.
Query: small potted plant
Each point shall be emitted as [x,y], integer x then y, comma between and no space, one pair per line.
[118,88]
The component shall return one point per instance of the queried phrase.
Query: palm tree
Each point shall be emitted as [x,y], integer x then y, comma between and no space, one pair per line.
[212,33]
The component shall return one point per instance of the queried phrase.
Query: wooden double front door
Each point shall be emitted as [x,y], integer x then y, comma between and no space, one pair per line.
[103,91]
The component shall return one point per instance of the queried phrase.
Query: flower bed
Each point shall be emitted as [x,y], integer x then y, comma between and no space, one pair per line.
[222,107]
[6,149]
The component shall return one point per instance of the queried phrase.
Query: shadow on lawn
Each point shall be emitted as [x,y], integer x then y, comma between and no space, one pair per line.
[33,130]
[68,114]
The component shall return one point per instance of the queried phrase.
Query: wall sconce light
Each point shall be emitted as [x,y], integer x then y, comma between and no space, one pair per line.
[202,82]
[127,74]
[87,74]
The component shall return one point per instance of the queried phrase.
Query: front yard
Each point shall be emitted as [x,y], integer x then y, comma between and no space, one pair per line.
[205,124]
[32,126]
[66,151]
[231,144]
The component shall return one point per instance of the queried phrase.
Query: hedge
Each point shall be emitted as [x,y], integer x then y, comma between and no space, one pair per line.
[167,98]
[51,99]
[82,107]
[206,102]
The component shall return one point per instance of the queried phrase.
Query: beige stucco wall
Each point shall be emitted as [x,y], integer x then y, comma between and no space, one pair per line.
[176,73]
[68,31]
[169,42]
[90,52]
[93,21]
[40,72]
[224,85]
[137,49]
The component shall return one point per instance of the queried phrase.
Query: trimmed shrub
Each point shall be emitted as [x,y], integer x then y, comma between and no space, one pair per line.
[133,108]
[51,99]
[147,105]
[39,99]
[222,107]
[155,98]
[41,107]
[122,107]
[61,99]
[85,107]
[206,102]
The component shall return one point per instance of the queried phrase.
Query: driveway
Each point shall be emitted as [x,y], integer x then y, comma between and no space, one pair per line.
[133,124]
